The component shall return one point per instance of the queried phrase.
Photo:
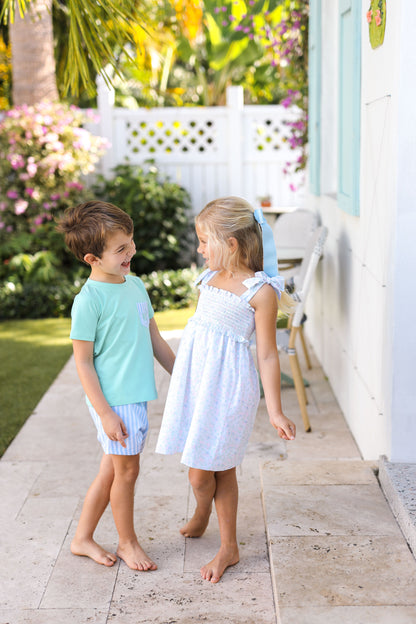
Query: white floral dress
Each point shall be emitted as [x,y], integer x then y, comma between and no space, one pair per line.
[214,391]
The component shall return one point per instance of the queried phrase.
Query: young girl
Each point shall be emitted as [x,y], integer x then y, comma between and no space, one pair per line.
[214,391]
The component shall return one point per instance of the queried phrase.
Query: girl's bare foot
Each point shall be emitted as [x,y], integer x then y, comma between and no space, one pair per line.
[226,556]
[196,525]
[89,548]
[135,558]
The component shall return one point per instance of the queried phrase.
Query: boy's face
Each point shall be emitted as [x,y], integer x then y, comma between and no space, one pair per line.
[114,263]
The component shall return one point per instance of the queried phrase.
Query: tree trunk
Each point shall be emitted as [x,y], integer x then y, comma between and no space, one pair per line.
[33,61]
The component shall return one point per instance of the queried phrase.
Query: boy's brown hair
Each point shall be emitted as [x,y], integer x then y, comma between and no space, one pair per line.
[86,227]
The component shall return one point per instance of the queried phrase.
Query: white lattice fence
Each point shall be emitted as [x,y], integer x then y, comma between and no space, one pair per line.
[211,151]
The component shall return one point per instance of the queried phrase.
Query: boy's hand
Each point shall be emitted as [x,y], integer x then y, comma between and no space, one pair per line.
[285,427]
[115,428]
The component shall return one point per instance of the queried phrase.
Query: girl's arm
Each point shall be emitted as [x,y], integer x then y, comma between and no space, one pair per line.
[112,423]
[162,351]
[265,304]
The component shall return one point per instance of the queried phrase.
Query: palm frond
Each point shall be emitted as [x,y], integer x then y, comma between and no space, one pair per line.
[8,11]
[96,30]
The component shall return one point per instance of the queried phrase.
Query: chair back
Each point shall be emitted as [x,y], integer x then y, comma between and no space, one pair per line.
[292,229]
[303,279]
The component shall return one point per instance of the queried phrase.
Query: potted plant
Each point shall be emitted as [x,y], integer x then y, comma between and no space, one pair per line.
[265,201]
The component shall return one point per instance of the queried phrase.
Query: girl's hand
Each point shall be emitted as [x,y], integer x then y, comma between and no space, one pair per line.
[285,427]
[115,428]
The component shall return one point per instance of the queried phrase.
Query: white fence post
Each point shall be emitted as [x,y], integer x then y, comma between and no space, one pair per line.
[235,105]
[105,104]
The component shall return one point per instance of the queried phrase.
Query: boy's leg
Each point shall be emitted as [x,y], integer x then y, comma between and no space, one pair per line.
[226,503]
[203,485]
[95,502]
[126,470]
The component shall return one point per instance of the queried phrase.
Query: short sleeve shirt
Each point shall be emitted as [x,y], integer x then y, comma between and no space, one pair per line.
[115,317]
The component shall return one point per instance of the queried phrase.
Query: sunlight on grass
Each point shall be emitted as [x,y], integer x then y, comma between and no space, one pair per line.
[173,319]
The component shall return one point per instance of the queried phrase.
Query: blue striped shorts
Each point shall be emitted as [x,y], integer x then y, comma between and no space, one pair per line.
[134,416]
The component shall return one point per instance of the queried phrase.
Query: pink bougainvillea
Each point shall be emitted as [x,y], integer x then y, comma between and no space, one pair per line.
[44,152]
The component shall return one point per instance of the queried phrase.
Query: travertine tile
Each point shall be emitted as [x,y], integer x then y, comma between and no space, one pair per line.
[79,583]
[348,615]
[317,472]
[53,616]
[33,544]
[318,444]
[343,571]
[53,479]
[237,598]
[16,482]
[328,510]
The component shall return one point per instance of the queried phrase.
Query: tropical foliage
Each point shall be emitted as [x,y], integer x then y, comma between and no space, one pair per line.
[5,73]
[191,50]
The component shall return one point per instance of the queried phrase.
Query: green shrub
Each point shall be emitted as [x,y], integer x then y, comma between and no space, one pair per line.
[37,300]
[171,289]
[159,209]
[35,293]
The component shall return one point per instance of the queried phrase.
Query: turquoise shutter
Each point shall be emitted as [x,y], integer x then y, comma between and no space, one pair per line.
[349,106]
[314,113]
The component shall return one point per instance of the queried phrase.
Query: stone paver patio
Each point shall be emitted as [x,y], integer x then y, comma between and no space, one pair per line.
[318,542]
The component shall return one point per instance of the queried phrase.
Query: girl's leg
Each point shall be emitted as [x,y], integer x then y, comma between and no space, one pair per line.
[95,502]
[203,484]
[126,471]
[226,502]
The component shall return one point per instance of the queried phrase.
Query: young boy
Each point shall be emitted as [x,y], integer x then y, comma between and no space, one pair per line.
[114,339]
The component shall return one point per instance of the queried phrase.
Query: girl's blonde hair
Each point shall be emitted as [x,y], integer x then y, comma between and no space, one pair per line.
[234,216]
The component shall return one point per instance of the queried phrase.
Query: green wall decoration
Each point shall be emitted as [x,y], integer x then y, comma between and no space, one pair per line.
[376,18]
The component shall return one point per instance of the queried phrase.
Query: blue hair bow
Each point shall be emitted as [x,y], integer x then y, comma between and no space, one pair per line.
[269,248]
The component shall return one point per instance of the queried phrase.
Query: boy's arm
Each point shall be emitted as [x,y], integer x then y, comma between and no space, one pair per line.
[161,350]
[265,304]
[112,423]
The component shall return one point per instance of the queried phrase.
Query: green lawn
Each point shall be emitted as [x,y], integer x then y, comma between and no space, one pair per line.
[173,319]
[32,353]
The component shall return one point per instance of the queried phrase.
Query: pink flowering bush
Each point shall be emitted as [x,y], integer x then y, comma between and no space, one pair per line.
[44,154]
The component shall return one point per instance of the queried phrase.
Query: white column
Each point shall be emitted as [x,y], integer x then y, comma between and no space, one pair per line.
[235,105]
[105,104]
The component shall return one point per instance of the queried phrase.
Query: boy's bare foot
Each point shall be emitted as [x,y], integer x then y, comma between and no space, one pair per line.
[226,556]
[196,525]
[89,548]
[135,558]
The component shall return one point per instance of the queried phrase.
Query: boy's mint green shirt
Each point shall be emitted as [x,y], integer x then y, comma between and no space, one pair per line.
[115,317]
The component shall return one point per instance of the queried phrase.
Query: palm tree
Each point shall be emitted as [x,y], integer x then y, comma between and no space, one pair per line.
[96,29]
[33,59]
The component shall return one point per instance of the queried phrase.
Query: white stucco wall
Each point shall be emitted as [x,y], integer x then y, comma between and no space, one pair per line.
[403,265]
[357,315]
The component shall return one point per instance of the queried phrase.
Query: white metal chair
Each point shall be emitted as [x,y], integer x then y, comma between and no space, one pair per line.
[286,337]
[290,232]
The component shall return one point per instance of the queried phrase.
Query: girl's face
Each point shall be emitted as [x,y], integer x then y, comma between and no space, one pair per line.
[204,248]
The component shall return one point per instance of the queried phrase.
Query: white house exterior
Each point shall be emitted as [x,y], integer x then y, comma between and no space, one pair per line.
[363,186]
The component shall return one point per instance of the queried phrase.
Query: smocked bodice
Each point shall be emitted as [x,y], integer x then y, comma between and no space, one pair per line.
[225,312]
